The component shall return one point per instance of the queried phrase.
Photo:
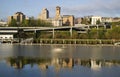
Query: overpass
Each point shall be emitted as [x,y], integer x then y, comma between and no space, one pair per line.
[13,30]
[79,28]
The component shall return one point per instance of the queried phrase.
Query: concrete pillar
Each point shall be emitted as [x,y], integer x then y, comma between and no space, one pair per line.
[63,41]
[88,27]
[53,33]
[97,26]
[71,32]
[35,32]
[104,26]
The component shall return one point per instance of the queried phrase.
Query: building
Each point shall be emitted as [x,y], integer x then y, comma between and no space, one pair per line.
[68,20]
[78,20]
[3,23]
[57,20]
[19,17]
[58,10]
[94,19]
[44,15]
[116,19]
[65,20]
[107,19]
[6,37]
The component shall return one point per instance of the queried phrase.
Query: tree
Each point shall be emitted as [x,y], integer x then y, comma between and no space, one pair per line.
[85,21]
[98,22]
[93,34]
[114,33]
[13,23]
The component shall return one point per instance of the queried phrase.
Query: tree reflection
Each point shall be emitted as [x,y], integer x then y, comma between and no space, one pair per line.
[19,62]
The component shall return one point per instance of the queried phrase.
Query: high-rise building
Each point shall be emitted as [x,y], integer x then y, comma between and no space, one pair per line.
[19,17]
[44,15]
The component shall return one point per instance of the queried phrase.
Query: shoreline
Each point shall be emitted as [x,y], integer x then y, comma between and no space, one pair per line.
[80,42]
[61,44]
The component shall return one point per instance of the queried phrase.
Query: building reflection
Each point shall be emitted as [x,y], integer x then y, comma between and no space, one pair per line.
[44,63]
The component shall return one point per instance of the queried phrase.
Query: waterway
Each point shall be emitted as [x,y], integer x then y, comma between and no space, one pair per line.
[59,61]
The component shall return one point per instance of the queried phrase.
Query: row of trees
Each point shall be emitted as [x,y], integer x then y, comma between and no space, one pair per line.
[30,23]
[102,34]
[91,34]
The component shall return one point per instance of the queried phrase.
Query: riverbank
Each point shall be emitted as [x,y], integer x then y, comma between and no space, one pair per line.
[70,42]
[77,41]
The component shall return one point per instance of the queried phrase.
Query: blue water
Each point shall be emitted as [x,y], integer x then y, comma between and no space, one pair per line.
[59,61]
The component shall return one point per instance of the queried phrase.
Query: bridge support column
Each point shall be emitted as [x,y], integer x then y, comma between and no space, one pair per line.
[104,26]
[35,32]
[97,26]
[71,32]
[53,33]
[88,27]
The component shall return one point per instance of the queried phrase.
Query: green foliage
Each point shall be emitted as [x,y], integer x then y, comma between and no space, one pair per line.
[36,23]
[85,21]
[98,22]
[93,34]
[30,23]
[13,23]
[114,33]
[83,36]
[62,34]
[115,24]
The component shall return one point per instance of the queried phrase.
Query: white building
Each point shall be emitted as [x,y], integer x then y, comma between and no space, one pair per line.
[6,37]
[107,19]
[57,22]
[3,23]
[94,19]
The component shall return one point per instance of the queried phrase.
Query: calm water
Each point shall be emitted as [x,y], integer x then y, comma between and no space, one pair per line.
[59,61]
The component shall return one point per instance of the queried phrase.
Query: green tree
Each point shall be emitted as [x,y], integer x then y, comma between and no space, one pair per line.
[85,21]
[114,33]
[98,22]
[93,34]
[25,23]
[13,23]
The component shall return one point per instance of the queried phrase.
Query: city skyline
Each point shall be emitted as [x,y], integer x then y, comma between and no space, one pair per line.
[78,8]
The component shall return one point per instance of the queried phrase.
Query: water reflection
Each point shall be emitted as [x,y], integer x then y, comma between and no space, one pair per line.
[59,61]
[44,63]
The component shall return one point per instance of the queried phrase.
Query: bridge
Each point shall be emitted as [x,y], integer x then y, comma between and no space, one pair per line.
[12,30]
[79,28]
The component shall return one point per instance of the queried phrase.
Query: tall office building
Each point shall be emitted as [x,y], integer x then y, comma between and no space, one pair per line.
[19,17]
[44,15]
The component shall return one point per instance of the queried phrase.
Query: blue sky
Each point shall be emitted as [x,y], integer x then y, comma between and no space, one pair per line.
[77,8]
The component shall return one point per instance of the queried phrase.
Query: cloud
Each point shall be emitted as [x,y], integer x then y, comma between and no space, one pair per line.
[95,7]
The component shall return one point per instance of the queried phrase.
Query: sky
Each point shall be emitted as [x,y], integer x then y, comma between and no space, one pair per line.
[78,8]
